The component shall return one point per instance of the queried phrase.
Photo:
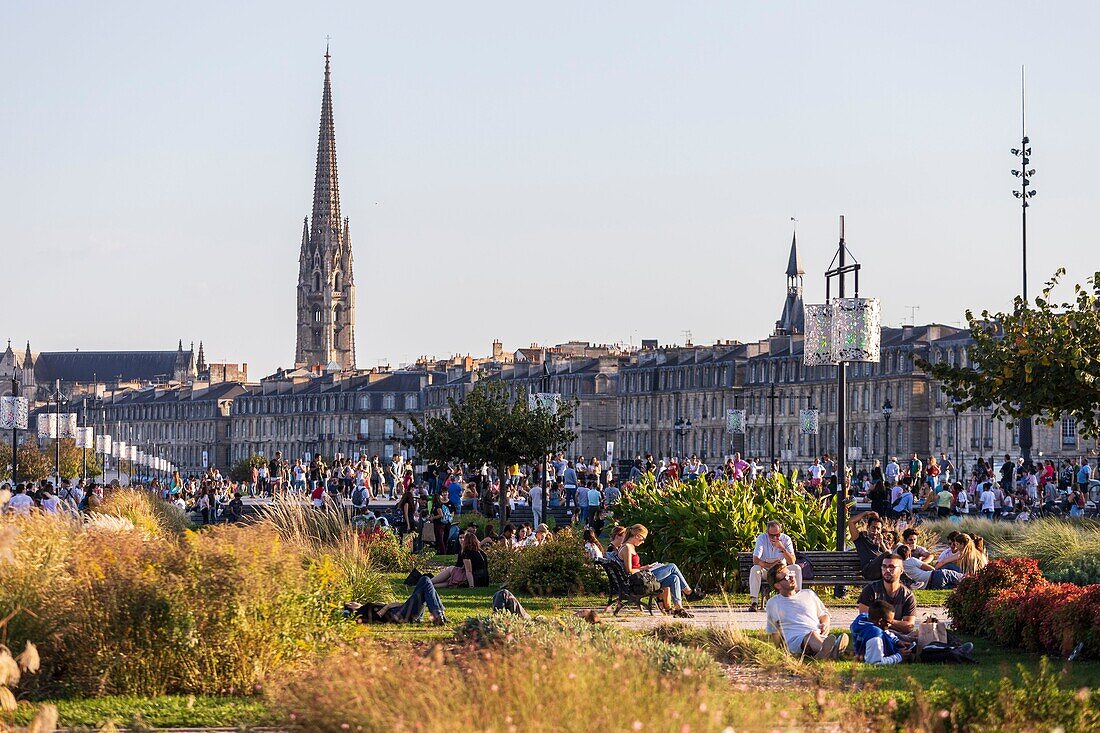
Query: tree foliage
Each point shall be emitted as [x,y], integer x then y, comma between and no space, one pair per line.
[1041,361]
[242,471]
[489,427]
[37,463]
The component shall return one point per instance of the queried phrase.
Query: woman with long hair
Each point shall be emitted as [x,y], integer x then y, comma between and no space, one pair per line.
[592,547]
[674,585]
[971,560]
[471,568]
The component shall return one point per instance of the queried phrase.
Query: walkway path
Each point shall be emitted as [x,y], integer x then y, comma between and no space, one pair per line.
[722,616]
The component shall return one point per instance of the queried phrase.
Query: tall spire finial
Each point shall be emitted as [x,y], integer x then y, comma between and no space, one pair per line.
[326,185]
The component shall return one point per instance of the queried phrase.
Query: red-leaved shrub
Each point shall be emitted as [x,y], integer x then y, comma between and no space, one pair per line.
[1010,603]
[968,605]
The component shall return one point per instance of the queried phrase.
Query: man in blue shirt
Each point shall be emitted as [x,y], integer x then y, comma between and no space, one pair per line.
[905,501]
[1084,473]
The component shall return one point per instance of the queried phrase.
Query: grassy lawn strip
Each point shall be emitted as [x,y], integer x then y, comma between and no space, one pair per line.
[162,712]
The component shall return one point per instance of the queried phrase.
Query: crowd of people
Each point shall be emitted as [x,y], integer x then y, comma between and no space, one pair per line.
[1014,490]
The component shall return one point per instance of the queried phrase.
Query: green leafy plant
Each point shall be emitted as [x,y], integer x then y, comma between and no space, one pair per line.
[702,526]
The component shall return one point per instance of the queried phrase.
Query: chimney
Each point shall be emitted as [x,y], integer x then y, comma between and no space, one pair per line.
[498,348]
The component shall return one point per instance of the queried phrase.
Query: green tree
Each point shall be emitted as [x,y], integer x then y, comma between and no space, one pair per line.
[488,427]
[242,471]
[1041,361]
[34,465]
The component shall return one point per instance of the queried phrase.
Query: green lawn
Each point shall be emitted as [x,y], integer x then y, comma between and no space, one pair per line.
[161,712]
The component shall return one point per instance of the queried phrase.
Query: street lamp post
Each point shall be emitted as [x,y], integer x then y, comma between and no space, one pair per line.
[682,427]
[545,385]
[1025,193]
[14,433]
[772,397]
[58,399]
[955,402]
[887,411]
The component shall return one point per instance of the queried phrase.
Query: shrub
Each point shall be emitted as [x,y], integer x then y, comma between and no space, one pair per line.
[479,520]
[389,553]
[500,557]
[1082,570]
[702,526]
[556,568]
[967,604]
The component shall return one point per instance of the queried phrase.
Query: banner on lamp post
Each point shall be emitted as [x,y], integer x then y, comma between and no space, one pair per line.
[808,421]
[735,421]
[13,413]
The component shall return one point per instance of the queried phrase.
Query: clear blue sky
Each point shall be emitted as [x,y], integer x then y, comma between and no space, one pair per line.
[599,171]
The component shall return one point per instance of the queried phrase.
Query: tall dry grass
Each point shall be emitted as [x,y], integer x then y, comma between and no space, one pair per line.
[528,686]
[118,610]
[1051,541]
[148,513]
[328,530]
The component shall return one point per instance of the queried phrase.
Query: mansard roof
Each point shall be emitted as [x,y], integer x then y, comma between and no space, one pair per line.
[108,366]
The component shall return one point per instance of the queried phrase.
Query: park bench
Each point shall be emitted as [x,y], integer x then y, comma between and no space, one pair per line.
[618,588]
[830,568]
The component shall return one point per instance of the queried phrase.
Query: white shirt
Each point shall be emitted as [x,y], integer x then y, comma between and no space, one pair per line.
[872,653]
[891,471]
[768,552]
[816,469]
[794,617]
[536,497]
[20,504]
[989,500]
[914,570]
[50,506]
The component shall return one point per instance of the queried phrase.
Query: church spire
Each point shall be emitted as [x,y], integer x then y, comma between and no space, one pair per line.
[794,264]
[326,185]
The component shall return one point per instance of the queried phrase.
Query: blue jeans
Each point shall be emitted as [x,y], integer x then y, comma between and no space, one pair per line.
[670,577]
[583,515]
[423,595]
[944,578]
[570,496]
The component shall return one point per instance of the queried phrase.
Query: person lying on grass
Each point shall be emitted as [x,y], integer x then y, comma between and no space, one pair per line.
[411,611]
[798,620]
[873,640]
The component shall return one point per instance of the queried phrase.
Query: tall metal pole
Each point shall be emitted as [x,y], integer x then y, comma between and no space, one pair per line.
[771,415]
[57,438]
[841,422]
[14,436]
[1024,174]
[83,442]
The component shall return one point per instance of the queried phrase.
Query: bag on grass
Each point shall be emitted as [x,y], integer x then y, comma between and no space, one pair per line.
[937,652]
[807,568]
[644,583]
[414,576]
[931,630]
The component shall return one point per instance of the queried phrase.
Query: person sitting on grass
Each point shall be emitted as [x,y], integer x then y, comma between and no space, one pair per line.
[772,548]
[471,568]
[891,590]
[909,538]
[592,547]
[411,611]
[673,584]
[873,640]
[798,620]
[925,575]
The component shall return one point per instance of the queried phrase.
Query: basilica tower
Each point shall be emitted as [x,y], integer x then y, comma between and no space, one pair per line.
[326,286]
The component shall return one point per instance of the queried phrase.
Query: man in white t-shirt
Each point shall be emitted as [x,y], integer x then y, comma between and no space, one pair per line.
[926,575]
[799,618]
[988,501]
[773,547]
[890,473]
[20,502]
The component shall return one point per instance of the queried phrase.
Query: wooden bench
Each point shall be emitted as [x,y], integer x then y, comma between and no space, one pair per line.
[618,588]
[830,568]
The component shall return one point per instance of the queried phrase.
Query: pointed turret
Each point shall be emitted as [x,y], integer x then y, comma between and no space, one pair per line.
[794,264]
[326,185]
[792,321]
[201,365]
[28,359]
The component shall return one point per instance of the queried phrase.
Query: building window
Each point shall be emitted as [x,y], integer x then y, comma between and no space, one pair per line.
[1069,431]
[388,402]
[410,402]
[389,428]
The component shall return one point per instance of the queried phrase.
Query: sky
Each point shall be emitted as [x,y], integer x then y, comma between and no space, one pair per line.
[605,172]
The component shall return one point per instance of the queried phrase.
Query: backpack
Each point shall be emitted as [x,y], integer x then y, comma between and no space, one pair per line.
[644,583]
[937,652]
[359,496]
[447,516]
